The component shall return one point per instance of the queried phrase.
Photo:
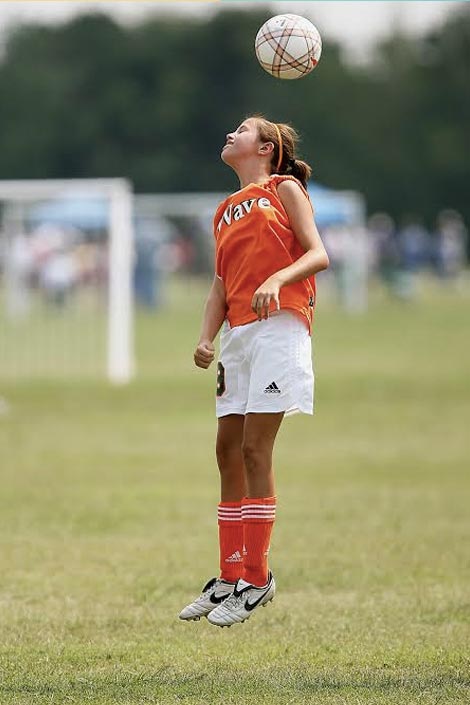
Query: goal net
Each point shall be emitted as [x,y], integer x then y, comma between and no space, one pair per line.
[66,279]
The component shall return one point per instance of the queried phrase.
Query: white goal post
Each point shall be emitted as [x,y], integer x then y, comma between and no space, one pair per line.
[15,195]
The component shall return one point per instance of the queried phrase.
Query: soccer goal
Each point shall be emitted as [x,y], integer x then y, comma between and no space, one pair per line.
[66,250]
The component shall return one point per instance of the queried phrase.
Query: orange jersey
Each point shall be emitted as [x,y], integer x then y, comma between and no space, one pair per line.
[254,240]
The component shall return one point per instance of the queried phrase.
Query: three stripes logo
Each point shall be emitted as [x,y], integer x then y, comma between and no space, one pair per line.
[272,389]
[234,558]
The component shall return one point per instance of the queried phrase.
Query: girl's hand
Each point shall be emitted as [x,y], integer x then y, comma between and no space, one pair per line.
[264,294]
[204,354]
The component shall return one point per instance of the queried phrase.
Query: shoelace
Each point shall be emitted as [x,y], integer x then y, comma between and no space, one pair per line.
[202,597]
[234,600]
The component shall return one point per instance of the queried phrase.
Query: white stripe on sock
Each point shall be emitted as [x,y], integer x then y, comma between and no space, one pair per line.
[261,512]
[258,509]
[229,511]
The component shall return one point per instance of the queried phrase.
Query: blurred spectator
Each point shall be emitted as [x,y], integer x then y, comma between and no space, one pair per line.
[145,267]
[18,269]
[86,255]
[450,245]
[152,242]
[414,249]
[413,241]
[386,250]
[58,277]
[349,252]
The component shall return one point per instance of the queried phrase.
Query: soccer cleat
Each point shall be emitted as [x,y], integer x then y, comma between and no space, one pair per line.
[213,593]
[240,604]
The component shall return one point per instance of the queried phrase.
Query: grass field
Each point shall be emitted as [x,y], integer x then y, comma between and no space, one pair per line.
[108,525]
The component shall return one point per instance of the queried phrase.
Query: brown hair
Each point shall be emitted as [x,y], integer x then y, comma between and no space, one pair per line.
[287,161]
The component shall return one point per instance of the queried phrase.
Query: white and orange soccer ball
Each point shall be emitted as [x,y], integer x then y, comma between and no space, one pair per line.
[288,46]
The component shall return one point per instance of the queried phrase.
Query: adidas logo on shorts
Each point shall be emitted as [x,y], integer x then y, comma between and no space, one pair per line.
[272,389]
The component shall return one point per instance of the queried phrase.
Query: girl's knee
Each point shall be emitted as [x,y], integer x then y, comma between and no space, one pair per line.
[255,457]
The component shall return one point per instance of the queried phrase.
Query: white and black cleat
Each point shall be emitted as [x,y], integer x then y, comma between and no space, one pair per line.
[239,606]
[212,595]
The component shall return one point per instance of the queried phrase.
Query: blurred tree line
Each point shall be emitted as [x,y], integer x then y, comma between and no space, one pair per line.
[153,102]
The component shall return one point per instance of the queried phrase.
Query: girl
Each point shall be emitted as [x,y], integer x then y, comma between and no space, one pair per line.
[267,252]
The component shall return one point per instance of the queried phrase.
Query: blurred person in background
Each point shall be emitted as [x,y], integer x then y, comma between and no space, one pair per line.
[386,252]
[147,271]
[350,258]
[157,254]
[414,244]
[451,239]
[58,277]
[19,264]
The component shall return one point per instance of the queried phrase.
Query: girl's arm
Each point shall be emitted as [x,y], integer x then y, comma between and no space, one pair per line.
[314,260]
[212,319]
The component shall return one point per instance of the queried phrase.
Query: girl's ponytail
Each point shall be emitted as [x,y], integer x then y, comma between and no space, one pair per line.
[300,170]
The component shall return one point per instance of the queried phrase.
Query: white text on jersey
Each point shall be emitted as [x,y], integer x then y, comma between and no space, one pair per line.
[241,210]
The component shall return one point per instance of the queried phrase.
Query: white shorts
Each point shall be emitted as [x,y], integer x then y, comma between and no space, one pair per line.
[265,367]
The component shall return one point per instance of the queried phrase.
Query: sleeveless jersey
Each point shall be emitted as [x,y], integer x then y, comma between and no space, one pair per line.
[254,239]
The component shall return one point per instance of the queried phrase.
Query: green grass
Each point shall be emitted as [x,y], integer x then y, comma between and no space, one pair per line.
[53,341]
[108,525]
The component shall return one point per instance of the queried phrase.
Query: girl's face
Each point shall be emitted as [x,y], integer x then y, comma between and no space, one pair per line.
[241,144]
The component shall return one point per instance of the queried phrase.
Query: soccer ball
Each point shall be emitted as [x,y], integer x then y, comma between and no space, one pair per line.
[288,46]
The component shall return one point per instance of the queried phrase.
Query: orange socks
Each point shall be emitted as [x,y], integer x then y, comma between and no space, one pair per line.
[244,537]
[258,518]
[230,540]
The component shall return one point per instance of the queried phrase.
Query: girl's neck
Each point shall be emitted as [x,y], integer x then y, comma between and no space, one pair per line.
[252,175]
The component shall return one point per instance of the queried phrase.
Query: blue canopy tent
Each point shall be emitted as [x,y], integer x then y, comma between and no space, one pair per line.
[82,212]
[336,207]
